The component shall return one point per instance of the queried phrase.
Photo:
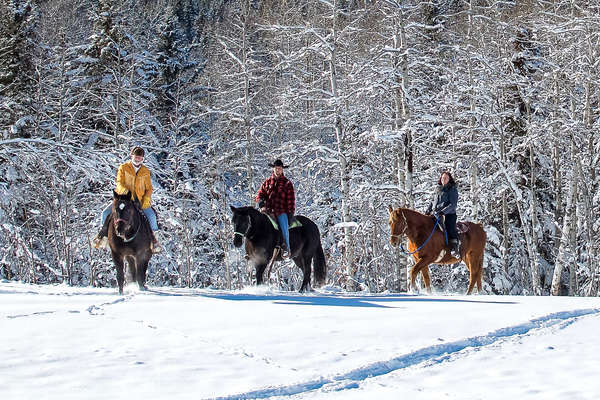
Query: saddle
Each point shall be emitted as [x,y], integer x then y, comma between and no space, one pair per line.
[293,223]
[461,229]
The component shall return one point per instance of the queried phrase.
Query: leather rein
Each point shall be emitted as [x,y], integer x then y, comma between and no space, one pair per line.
[404,231]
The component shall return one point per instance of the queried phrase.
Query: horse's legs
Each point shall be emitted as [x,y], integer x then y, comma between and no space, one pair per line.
[118,261]
[474,264]
[479,274]
[471,280]
[478,266]
[304,263]
[131,269]
[426,279]
[142,266]
[414,271]
[260,269]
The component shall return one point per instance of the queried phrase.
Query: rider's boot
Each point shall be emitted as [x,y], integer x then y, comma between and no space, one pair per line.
[285,253]
[454,248]
[101,239]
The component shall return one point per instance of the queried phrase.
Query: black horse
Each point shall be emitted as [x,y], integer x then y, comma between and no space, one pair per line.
[262,238]
[129,238]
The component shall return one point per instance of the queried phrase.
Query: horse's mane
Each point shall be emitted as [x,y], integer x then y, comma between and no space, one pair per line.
[400,210]
[410,210]
[248,210]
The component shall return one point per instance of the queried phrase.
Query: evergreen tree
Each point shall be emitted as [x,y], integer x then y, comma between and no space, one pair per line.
[17,49]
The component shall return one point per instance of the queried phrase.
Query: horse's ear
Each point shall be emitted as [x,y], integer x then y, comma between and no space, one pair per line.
[390,208]
[115,194]
[233,209]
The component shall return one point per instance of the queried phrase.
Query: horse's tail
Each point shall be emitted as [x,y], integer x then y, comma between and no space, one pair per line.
[319,265]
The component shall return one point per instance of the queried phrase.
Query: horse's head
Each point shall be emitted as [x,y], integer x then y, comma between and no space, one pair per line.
[123,211]
[241,225]
[397,225]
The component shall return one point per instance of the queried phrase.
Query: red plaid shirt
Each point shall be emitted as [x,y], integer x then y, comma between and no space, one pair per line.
[278,194]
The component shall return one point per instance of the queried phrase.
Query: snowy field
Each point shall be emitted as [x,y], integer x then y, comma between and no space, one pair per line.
[84,343]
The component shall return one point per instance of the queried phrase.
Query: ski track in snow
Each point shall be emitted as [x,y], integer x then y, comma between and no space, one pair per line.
[427,356]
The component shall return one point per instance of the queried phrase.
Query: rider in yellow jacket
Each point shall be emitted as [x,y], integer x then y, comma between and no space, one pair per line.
[133,177]
[138,182]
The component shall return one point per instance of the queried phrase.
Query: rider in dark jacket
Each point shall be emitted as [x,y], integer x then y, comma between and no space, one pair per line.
[444,204]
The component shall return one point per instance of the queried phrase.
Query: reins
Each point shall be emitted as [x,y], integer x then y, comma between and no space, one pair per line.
[427,240]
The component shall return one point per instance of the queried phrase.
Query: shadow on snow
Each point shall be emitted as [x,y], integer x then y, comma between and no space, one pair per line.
[331,300]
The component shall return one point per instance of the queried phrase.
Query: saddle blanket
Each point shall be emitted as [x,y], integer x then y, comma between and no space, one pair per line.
[295,223]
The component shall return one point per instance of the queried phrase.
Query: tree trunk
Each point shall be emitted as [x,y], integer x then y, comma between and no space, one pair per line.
[402,114]
[533,249]
[568,226]
[342,160]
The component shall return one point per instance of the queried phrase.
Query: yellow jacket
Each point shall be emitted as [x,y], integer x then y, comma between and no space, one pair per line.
[138,184]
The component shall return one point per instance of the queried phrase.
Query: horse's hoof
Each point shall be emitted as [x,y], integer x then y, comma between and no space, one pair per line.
[307,289]
[414,291]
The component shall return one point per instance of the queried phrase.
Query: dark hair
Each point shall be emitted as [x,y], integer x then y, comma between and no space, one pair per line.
[451,181]
[137,151]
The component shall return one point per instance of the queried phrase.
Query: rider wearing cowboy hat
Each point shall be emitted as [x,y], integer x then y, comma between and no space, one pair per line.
[133,177]
[276,195]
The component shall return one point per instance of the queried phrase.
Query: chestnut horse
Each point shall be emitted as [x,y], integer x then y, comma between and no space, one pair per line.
[427,245]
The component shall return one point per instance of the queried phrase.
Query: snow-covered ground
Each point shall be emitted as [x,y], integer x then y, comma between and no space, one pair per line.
[63,343]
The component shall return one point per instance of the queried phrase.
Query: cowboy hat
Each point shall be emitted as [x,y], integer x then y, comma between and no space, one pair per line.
[278,163]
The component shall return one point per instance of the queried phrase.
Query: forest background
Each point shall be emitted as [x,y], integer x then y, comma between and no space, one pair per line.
[367,101]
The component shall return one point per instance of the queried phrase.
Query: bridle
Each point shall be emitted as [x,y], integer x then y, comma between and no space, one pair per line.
[247,229]
[401,234]
[126,240]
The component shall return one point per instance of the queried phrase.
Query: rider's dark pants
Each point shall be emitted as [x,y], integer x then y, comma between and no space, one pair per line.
[450,222]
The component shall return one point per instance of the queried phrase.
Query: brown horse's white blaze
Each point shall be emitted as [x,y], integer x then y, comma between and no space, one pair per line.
[418,227]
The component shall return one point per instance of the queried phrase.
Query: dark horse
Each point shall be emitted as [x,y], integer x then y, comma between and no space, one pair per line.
[427,245]
[262,239]
[129,238]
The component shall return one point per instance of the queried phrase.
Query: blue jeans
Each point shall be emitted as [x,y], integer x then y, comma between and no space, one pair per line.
[149,212]
[106,213]
[282,219]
